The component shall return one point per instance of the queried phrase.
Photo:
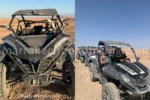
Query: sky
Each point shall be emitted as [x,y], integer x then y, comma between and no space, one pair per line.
[64,7]
[117,20]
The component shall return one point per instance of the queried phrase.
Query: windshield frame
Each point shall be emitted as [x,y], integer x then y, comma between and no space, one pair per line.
[24,21]
[106,45]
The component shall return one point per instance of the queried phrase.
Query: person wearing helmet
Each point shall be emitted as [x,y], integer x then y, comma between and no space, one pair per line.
[49,27]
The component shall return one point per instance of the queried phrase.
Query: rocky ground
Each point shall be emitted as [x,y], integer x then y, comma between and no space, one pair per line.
[85,89]
[20,91]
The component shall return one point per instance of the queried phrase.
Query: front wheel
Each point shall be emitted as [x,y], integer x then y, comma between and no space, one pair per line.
[92,72]
[92,77]
[110,92]
[69,78]
[4,87]
[82,59]
[86,62]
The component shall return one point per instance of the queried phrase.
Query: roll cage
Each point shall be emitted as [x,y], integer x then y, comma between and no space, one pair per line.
[28,23]
[35,12]
[113,44]
[38,12]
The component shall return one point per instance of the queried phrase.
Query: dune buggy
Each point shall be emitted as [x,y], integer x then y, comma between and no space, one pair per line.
[81,53]
[120,80]
[78,53]
[34,57]
[90,54]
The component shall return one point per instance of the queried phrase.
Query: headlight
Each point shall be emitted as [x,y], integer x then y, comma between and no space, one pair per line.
[125,78]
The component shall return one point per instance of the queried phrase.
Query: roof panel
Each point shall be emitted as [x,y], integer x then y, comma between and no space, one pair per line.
[37,12]
[115,43]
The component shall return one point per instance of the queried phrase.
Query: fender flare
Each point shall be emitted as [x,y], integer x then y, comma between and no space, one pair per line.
[2,55]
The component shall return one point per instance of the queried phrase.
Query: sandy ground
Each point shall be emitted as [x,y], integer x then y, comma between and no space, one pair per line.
[20,91]
[87,90]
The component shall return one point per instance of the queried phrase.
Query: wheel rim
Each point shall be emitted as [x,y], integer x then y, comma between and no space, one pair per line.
[70,81]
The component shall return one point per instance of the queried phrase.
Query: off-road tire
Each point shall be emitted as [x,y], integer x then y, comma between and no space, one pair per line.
[110,92]
[78,56]
[92,77]
[86,63]
[70,88]
[4,88]
[147,96]
[82,59]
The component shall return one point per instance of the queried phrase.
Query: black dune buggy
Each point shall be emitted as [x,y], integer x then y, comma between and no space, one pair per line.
[34,57]
[78,54]
[81,54]
[120,80]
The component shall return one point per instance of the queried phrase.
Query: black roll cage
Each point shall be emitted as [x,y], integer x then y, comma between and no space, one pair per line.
[24,21]
[106,45]
[36,12]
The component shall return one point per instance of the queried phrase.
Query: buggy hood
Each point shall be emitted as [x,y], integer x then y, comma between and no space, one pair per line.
[39,47]
[134,70]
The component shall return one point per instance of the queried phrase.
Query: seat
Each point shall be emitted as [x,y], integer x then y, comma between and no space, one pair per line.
[37,29]
[27,31]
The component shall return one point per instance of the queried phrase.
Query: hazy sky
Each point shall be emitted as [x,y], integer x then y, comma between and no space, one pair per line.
[64,7]
[120,20]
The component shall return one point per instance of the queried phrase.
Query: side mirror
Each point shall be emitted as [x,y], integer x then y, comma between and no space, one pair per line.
[138,58]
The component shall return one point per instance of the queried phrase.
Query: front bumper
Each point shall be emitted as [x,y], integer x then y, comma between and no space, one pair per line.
[137,92]
[134,91]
